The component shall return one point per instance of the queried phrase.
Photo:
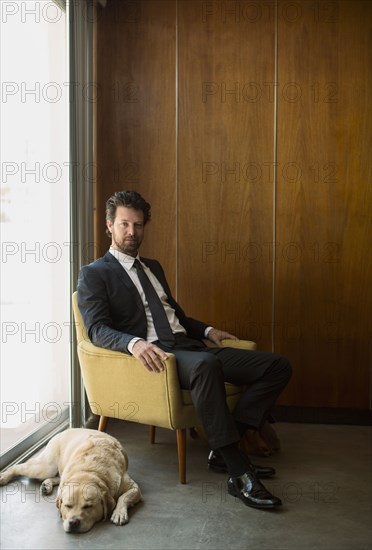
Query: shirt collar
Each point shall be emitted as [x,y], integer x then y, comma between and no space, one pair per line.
[124,259]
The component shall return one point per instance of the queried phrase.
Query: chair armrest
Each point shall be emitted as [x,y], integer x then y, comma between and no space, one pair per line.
[119,386]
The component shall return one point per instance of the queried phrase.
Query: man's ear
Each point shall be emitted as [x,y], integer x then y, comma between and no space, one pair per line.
[109,225]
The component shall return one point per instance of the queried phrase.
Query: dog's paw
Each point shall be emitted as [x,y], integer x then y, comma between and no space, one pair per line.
[46,488]
[5,478]
[120,517]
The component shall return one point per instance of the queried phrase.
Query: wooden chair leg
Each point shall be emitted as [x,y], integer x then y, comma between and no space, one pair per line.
[181,446]
[152,434]
[102,423]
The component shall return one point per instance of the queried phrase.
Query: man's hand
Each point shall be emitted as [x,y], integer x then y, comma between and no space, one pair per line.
[150,355]
[216,336]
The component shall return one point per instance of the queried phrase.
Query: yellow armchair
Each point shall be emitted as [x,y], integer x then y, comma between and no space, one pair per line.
[119,386]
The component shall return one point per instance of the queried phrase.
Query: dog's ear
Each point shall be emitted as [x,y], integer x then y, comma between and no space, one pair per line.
[108,504]
[59,500]
[58,504]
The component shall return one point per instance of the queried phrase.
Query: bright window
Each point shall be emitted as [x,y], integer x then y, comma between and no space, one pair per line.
[35,262]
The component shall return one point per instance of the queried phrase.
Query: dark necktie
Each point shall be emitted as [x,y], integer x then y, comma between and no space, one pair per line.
[161,323]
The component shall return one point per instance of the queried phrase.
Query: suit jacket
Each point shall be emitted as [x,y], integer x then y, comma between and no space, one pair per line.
[112,308]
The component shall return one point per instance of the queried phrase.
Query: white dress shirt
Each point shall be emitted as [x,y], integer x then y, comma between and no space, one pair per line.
[127,263]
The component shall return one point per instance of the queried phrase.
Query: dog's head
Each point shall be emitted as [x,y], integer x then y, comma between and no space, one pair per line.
[82,502]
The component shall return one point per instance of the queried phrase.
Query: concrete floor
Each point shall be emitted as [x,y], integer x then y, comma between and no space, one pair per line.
[323,478]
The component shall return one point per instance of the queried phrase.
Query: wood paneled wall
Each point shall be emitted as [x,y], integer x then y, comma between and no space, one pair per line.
[247,125]
[225,137]
[135,123]
[323,213]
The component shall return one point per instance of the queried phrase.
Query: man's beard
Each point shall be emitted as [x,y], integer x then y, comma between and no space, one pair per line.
[128,246]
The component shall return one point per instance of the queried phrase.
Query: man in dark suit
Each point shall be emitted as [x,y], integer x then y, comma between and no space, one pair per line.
[128,306]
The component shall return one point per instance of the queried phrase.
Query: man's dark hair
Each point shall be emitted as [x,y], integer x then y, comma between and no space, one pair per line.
[129,199]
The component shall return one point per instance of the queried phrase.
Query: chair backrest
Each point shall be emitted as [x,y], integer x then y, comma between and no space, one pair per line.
[81,333]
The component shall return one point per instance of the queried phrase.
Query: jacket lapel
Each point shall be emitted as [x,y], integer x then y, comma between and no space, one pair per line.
[119,271]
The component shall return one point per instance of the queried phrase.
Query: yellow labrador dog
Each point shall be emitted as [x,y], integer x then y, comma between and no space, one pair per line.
[91,470]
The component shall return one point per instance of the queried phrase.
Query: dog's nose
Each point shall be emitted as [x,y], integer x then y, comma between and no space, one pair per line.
[74,522]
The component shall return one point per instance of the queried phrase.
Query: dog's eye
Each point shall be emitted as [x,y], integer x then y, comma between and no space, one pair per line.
[86,506]
[68,505]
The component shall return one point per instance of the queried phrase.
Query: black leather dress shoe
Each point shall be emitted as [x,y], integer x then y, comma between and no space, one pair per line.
[251,491]
[217,464]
